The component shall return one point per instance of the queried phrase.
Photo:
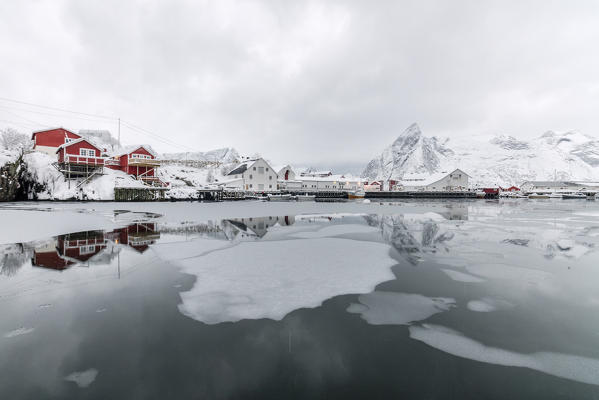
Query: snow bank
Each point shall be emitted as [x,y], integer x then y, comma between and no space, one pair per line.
[52,184]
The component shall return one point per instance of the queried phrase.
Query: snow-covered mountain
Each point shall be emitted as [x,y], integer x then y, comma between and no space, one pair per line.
[498,160]
[226,155]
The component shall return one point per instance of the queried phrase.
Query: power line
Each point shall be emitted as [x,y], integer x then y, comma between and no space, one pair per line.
[130,125]
[57,109]
[46,113]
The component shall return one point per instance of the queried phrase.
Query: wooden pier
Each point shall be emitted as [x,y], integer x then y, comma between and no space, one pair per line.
[139,194]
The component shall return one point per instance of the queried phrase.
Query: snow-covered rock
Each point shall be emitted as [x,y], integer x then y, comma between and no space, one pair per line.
[499,160]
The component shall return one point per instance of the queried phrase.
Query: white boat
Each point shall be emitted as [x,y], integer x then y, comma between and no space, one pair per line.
[279,197]
[358,194]
[556,196]
[538,196]
[305,197]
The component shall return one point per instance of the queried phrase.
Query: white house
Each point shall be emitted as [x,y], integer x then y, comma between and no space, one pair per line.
[330,183]
[254,175]
[456,180]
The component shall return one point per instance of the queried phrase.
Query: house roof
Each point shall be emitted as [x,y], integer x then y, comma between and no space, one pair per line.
[426,179]
[131,148]
[52,129]
[62,146]
[242,167]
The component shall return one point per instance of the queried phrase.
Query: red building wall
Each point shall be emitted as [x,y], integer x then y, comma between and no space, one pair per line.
[74,151]
[53,137]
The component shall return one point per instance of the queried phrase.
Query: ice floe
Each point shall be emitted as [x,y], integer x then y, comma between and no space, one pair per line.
[83,378]
[390,308]
[272,278]
[18,332]
[573,367]
[487,304]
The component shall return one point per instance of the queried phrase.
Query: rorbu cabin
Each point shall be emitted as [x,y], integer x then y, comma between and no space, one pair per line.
[80,158]
[139,161]
[49,140]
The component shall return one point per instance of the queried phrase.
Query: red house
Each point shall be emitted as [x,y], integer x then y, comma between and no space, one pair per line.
[139,161]
[80,151]
[511,189]
[48,141]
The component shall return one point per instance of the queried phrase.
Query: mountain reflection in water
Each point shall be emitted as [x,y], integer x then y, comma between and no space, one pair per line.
[409,234]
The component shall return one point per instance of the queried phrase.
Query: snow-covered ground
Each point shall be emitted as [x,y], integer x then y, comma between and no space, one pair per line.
[56,187]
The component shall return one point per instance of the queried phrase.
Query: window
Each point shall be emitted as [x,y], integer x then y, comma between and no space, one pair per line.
[250,183]
[87,152]
[270,177]
[270,186]
[254,168]
[260,170]
[68,140]
[87,249]
[266,169]
[251,176]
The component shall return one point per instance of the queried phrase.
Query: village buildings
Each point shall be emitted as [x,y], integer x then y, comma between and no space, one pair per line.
[456,180]
[253,175]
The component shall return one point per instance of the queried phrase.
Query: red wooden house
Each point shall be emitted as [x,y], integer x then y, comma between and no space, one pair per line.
[80,158]
[49,140]
[138,161]
[80,151]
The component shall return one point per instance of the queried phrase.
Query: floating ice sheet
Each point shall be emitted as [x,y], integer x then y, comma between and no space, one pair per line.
[577,368]
[389,308]
[272,278]
[18,332]
[84,378]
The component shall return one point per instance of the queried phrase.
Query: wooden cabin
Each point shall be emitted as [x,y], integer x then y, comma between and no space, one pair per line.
[80,151]
[49,140]
[138,161]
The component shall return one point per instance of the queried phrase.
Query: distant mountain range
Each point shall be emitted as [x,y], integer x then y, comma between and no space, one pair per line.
[498,160]
[225,155]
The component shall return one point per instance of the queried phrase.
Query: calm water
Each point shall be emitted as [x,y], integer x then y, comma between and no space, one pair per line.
[416,300]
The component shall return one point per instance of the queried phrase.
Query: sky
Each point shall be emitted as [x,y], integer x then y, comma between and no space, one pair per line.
[328,83]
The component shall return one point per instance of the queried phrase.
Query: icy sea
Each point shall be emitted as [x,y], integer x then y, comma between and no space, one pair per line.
[463,299]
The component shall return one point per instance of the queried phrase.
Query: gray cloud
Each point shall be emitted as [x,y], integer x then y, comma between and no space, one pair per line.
[312,82]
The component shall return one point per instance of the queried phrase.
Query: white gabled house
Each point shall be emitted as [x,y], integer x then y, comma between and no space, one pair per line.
[456,180]
[254,175]
[288,179]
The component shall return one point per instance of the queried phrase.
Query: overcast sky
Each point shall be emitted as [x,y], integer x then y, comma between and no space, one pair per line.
[299,81]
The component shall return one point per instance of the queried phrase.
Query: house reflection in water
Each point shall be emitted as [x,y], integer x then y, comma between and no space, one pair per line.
[258,226]
[138,236]
[82,247]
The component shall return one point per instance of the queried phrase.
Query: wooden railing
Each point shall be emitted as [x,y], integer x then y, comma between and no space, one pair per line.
[86,160]
[144,162]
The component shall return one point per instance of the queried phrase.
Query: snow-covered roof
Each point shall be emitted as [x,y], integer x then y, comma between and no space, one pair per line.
[242,167]
[72,142]
[331,178]
[131,148]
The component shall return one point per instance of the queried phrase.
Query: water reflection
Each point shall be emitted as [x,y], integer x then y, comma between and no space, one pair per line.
[92,247]
[305,305]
